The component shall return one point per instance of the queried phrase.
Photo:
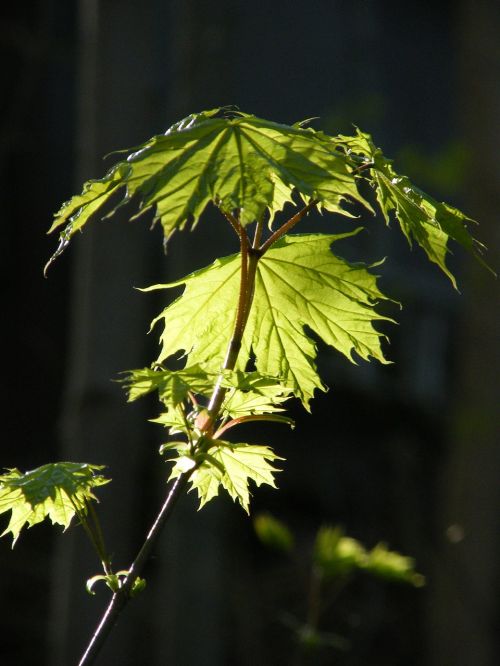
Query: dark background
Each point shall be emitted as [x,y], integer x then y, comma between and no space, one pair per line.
[407,454]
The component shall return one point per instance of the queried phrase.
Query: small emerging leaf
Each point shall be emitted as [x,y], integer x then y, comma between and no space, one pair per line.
[57,491]
[391,565]
[273,533]
[337,555]
[114,582]
[231,466]
[171,418]
[173,386]
[251,393]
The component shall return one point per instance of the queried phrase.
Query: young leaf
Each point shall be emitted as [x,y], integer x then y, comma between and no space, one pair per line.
[173,386]
[57,491]
[231,466]
[252,393]
[421,218]
[172,419]
[236,162]
[336,555]
[299,282]
[246,403]
[273,533]
[391,565]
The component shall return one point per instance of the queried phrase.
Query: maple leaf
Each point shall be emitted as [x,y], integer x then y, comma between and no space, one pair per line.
[252,393]
[229,465]
[237,161]
[299,282]
[173,386]
[57,491]
[242,403]
[430,223]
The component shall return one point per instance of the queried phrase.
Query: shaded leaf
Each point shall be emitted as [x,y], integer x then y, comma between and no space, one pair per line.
[337,555]
[273,532]
[391,565]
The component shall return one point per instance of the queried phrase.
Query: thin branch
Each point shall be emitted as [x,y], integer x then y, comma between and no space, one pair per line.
[120,599]
[285,228]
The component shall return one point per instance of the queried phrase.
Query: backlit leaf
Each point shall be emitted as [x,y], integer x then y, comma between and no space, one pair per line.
[56,491]
[252,393]
[391,565]
[173,386]
[231,466]
[299,283]
[237,162]
[421,218]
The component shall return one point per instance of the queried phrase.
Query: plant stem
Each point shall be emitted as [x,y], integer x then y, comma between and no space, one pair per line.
[250,255]
[92,529]
[120,599]
[97,531]
[249,261]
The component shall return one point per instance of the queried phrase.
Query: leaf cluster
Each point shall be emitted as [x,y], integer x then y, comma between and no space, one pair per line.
[334,559]
[336,556]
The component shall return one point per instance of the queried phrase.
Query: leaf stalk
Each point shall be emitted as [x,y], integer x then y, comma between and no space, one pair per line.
[285,228]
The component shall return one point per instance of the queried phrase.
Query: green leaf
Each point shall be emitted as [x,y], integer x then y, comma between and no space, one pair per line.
[299,282]
[173,386]
[111,580]
[56,491]
[337,555]
[237,161]
[246,403]
[273,533]
[171,418]
[114,582]
[252,393]
[391,565]
[421,218]
[231,466]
